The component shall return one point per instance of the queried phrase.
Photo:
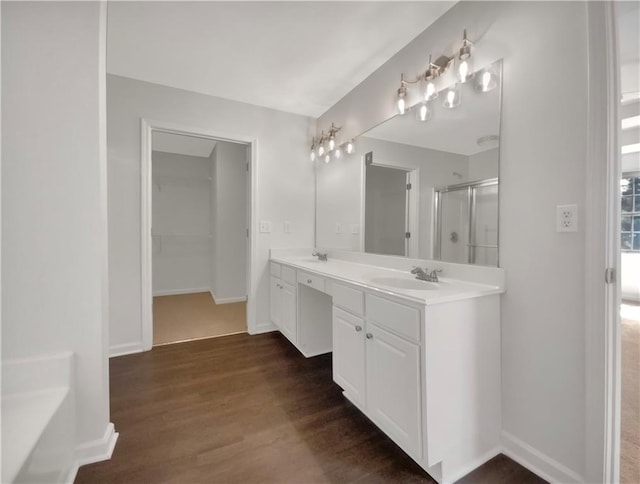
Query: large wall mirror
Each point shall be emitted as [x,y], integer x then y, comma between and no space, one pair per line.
[421,189]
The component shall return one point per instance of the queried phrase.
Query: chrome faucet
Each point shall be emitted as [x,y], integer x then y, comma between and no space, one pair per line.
[320,256]
[424,275]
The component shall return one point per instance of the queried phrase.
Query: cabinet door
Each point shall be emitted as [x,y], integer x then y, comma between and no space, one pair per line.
[274,303]
[288,307]
[393,387]
[348,355]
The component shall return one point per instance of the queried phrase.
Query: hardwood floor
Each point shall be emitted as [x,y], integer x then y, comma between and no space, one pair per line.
[630,417]
[249,409]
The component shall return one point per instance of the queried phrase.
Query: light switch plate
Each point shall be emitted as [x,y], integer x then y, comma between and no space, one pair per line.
[567,218]
[338,228]
[265,227]
[287,227]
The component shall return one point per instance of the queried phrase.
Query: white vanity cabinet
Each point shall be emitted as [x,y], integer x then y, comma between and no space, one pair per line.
[378,370]
[283,306]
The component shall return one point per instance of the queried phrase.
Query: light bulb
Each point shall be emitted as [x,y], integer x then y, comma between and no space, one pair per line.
[423,113]
[321,150]
[430,92]
[452,97]
[487,81]
[464,70]
[312,155]
[337,154]
[402,93]
[332,143]
[327,158]
[401,105]
[350,147]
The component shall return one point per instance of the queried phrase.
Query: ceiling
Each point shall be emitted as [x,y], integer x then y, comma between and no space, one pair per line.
[299,57]
[452,130]
[181,144]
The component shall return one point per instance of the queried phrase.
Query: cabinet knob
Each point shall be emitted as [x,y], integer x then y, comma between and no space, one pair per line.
[358,328]
[369,336]
[308,281]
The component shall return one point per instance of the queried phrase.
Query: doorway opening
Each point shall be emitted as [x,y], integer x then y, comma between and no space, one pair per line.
[196,219]
[391,195]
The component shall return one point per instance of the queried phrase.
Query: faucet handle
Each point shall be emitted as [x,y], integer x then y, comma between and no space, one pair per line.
[417,269]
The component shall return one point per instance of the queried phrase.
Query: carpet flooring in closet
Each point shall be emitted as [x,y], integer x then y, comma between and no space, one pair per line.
[187,317]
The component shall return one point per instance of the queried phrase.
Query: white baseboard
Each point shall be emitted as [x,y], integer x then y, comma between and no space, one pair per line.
[537,462]
[125,349]
[177,292]
[227,300]
[96,450]
[486,457]
[263,328]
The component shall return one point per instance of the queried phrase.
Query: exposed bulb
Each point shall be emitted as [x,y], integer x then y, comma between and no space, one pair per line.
[424,113]
[327,158]
[350,147]
[332,143]
[321,150]
[312,155]
[452,98]
[430,92]
[487,81]
[402,107]
[337,154]
[464,70]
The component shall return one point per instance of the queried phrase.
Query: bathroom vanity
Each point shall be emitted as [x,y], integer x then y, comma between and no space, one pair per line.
[420,359]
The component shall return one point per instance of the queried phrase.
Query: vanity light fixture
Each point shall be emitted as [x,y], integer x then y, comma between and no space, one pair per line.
[337,153]
[486,80]
[433,72]
[327,158]
[321,145]
[312,153]
[402,94]
[452,97]
[332,136]
[350,148]
[464,69]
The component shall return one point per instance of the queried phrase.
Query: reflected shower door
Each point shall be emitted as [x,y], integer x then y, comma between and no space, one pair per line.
[467,223]
[453,207]
[484,241]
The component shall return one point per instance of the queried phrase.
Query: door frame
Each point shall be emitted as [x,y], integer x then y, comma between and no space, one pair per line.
[413,204]
[602,250]
[147,127]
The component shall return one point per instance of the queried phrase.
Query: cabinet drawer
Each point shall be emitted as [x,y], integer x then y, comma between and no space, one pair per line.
[348,298]
[289,275]
[310,280]
[398,318]
[275,269]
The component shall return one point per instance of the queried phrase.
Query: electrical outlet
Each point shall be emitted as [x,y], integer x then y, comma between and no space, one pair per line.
[265,227]
[567,218]
[338,228]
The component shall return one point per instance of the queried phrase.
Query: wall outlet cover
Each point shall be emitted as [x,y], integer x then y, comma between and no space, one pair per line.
[265,227]
[567,218]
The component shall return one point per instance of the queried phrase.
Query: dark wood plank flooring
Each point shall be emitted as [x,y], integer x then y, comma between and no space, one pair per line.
[249,409]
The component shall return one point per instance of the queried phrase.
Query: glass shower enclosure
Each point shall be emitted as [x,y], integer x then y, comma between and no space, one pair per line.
[466,223]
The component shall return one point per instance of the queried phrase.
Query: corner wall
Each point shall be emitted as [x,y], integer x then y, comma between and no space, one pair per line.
[54,228]
[542,164]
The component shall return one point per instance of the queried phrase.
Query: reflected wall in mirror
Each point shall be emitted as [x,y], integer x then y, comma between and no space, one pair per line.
[426,190]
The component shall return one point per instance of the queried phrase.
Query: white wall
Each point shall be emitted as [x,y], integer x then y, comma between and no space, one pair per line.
[54,228]
[229,202]
[484,165]
[285,184]
[181,212]
[543,164]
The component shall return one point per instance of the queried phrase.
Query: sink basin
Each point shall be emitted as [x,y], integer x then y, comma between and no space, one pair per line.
[404,283]
[311,261]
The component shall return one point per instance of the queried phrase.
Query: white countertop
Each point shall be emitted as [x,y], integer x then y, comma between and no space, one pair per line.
[446,290]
